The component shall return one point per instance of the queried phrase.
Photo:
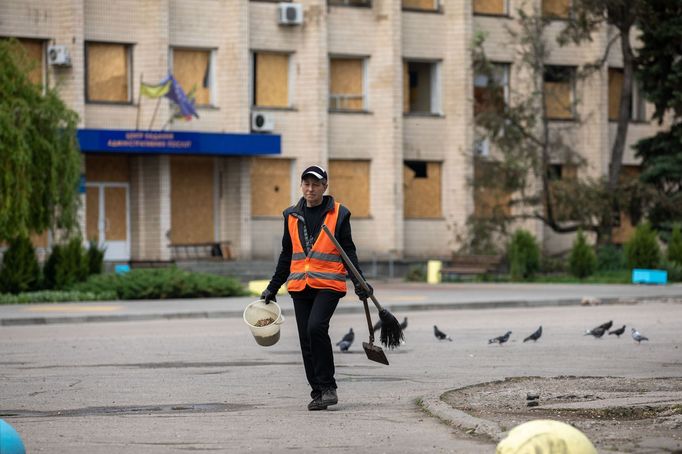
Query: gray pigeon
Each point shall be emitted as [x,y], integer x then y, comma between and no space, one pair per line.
[618,331]
[607,326]
[535,336]
[440,335]
[596,332]
[345,343]
[500,339]
[636,335]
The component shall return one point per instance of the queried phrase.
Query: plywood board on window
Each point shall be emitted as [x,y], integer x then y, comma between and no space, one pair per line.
[39,240]
[489,202]
[421,4]
[615,89]
[346,82]
[556,8]
[115,214]
[108,72]
[558,100]
[191,69]
[349,184]
[270,186]
[192,191]
[272,80]
[422,196]
[104,168]
[34,50]
[489,7]
[92,214]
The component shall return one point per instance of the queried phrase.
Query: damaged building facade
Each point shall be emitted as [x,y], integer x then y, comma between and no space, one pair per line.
[381,92]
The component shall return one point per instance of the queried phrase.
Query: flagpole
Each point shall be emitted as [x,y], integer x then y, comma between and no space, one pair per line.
[156,109]
[139,105]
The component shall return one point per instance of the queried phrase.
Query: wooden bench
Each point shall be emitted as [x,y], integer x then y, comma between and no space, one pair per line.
[217,250]
[471,265]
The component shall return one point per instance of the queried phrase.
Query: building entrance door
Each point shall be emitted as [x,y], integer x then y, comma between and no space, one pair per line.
[108,218]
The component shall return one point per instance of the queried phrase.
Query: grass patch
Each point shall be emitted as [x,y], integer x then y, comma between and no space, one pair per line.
[601,277]
[55,296]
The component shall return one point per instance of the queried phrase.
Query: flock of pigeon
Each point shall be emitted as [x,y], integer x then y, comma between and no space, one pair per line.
[599,331]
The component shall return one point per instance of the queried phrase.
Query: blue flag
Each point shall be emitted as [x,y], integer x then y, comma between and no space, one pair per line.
[179,97]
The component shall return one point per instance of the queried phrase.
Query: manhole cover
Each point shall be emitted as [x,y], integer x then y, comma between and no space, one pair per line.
[640,415]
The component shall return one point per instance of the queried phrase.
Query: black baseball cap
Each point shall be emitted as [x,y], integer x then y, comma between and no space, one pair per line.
[316,171]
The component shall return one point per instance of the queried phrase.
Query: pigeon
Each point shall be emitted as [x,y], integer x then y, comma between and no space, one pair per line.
[346,341]
[636,335]
[596,332]
[500,339]
[607,326]
[535,336]
[618,331]
[440,335]
[377,326]
[403,325]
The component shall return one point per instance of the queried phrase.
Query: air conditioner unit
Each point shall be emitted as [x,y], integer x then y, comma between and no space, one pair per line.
[290,14]
[58,56]
[262,122]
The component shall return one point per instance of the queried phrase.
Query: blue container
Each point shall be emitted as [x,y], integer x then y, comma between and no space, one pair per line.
[656,277]
[10,441]
[121,269]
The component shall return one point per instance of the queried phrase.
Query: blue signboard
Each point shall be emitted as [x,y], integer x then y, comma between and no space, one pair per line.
[177,142]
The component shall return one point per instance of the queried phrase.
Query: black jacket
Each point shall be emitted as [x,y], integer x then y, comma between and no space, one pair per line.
[342,234]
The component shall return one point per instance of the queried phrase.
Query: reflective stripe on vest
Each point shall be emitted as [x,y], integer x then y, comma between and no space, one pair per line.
[323,267]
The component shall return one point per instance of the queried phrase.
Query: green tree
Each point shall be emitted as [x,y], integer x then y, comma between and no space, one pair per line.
[675,246]
[523,254]
[20,271]
[659,71]
[39,156]
[583,260]
[642,250]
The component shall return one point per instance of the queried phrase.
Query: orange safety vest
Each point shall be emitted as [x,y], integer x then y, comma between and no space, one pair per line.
[323,266]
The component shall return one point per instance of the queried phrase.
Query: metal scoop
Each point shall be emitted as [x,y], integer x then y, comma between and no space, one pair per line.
[374,352]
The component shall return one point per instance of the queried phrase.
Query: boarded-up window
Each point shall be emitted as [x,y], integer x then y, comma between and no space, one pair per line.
[625,229]
[349,184]
[192,69]
[420,87]
[34,51]
[270,186]
[422,189]
[637,110]
[492,7]
[351,2]
[106,168]
[192,192]
[108,72]
[271,79]
[429,5]
[559,83]
[346,84]
[556,8]
[562,177]
[491,90]
[491,200]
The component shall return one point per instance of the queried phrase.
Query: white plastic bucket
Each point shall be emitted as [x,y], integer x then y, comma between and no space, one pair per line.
[265,335]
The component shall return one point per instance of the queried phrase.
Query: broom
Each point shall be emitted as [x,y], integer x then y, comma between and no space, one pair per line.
[391,332]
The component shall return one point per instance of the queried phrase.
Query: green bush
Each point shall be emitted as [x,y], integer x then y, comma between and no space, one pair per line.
[54,296]
[675,246]
[161,284]
[610,258]
[552,265]
[20,270]
[583,260]
[95,259]
[67,265]
[642,250]
[674,270]
[416,273]
[523,254]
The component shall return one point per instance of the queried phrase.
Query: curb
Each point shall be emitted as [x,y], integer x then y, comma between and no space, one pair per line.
[433,405]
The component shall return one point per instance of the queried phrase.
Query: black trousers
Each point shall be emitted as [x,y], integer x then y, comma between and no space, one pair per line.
[314,308]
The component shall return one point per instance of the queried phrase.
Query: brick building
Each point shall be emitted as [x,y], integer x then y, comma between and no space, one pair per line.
[379,91]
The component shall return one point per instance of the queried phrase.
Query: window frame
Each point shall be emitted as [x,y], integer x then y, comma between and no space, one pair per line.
[573,94]
[44,73]
[506,13]
[212,86]
[506,85]
[367,4]
[131,70]
[426,163]
[553,17]
[437,10]
[435,94]
[291,72]
[365,83]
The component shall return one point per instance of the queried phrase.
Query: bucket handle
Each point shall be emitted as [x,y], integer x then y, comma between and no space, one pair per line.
[282,317]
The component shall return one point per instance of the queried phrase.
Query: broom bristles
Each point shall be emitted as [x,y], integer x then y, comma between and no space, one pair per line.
[391,332]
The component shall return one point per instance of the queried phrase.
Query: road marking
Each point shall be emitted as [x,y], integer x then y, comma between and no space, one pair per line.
[69,308]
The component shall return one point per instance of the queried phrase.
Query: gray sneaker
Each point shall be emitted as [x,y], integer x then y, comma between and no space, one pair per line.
[329,397]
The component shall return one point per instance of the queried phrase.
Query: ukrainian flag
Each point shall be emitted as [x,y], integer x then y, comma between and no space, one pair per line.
[158,90]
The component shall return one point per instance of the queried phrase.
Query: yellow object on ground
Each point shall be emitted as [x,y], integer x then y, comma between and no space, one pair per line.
[544,436]
[433,271]
[257,287]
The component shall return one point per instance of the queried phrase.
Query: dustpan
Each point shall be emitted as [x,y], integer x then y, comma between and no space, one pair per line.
[373,352]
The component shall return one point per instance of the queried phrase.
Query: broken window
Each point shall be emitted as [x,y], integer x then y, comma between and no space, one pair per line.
[490,7]
[491,91]
[271,79]
[347,84]
[192,68]
[424,5]
[559,9]
[559,92]
[422,190]
[349,184]
[108,72]
[270,186]
[638,108]
[421,87]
